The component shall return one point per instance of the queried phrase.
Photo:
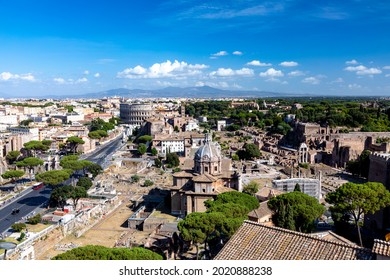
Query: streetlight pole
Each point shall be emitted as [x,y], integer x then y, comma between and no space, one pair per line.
[7,246]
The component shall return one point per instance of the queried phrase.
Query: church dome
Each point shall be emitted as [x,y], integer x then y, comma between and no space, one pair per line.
[209,151]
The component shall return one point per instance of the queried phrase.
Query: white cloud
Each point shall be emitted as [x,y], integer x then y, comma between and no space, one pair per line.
[272,73]
[86,72]
[296,73]
[354,86]
[258,63]
[337,81]
[386,67]
[60,81]
[237,53]
[289,64]
[82,80]
[311,80]
[369,71]
[363,70]
[388,75]
[97,75]
[352,62]
[6,76]
[220,53]
[228,72]
[163,70]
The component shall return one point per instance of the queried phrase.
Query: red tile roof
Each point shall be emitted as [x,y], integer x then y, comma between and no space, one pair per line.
[254,241]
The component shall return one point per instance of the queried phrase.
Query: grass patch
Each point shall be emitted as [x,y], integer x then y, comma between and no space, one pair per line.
[37,228]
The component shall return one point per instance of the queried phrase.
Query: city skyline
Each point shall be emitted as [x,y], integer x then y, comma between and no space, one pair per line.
[326,48]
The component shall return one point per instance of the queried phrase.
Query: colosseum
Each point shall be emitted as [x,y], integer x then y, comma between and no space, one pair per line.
[135,114]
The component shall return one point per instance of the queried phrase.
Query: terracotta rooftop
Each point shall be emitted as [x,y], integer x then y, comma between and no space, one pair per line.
[204,178]
[261,212]
[381,247]
[254,241]
[182,174]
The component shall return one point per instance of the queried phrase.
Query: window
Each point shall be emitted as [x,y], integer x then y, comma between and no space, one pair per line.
[206,169]
[215,168]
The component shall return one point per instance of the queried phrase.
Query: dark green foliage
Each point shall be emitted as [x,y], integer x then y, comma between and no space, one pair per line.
[361,166]
[95,169]
[249,151]
[223,217]
[12,174]
[35,219]
[135,178]
[243,199]
[142,149]
[148,183]
[172,159]
[33,146]
[233,127]
[26,122]
[356,200]
[12,156]
[251,188]
[154,151]
[53,177]
[94,252]
[157,162]
[99,124]
[97,134]
[73,142]
[76,193]
[235,157]
[145,139]
[297,188]
[18,227]
[84,182]
[303,208]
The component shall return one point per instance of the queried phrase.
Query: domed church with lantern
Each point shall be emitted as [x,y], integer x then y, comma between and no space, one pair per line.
[211,175]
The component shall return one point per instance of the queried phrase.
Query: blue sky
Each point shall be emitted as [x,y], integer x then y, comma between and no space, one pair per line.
[293,46]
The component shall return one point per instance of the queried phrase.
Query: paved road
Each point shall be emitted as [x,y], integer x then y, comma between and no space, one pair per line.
[27,203]
[31,200]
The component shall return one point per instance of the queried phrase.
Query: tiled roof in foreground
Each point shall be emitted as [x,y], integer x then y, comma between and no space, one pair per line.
[254,241]
[381,247]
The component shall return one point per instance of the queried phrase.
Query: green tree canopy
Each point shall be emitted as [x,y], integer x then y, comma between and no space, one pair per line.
[12,174]
[154,151]
[249,151]
[95,169]
[148,183]
[84,182]
[60,195]
[12,156]
[172,159]
[145,139]
[95,252]
[99,124]
[30,163]
[33,146]
[356,200]
[243,199]
[74,142]
[142,149]
[251,188]
[76,193]
[303,208]
[97,134]
[54,177]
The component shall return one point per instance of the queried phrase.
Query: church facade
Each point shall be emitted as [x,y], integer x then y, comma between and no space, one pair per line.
[211,175]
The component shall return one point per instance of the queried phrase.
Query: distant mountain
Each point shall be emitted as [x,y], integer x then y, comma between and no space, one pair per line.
[168,92]
[175,92]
